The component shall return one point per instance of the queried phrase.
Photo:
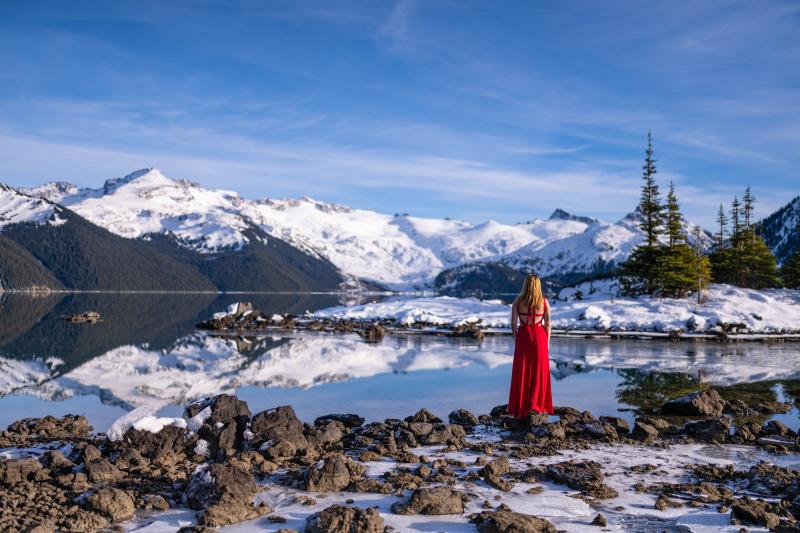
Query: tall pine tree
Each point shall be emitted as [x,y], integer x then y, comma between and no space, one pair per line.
[678,269]
[736,221]
[639,273]
[650,201]
[674,218]
[722,220]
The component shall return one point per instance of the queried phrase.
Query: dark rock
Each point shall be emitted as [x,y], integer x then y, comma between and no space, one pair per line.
[619,424]
[115,504]
[102,471]
[334,474]
[436,500]
[50,427]
[776,427]
[343,519]
[756,512]
[698,403]
[16,471]
[170,440]
[511,522]
[349,421]
[644,432]
[600,521]
[710,429]
[585,476]
[423,415]
[224,427]
[280,423]
[325,435]
[224,495]
[462,417]
[499,411]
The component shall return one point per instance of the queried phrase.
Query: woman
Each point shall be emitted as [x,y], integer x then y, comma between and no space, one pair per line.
[530,375]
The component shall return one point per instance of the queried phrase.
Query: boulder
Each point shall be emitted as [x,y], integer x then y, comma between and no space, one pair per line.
[333,474]
[50,427]
[349,421]
[511,522]
[102,471]
[343,519]
[280,423]
[462,417]
[756,512]
[585,476]
[698,403]
[438,500]
[644,432]
[619,424]
[170,440]
[115,504]
[224,419]
[16,471]
[224,495]
[423,415]
[710,429]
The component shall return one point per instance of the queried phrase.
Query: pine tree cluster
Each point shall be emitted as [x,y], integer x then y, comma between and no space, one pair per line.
[664,264]
[741,257]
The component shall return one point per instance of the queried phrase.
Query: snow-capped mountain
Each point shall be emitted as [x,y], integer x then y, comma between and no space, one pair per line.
[780,230]
[397,252]
[17,207]
[394,251]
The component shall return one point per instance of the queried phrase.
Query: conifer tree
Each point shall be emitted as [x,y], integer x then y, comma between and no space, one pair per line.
[722,220]
[736,221]
[650,201]
[678,270]
[747,207]
[638,273]
[790,272]
[674,218]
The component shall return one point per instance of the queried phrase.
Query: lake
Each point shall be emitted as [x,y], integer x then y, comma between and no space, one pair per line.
[147,354]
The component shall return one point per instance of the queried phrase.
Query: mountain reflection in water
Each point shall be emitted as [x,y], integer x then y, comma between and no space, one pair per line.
[146,354]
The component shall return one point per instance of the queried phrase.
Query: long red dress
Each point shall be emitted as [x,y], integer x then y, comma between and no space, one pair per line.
[530,374]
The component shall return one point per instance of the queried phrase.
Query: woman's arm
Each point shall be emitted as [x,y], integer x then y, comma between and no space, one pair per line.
[514,318]
[548,323]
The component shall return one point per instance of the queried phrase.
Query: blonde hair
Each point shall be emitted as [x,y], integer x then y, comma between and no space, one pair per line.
[531,294]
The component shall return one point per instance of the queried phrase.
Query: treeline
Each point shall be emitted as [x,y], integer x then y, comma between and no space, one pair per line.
[670,263]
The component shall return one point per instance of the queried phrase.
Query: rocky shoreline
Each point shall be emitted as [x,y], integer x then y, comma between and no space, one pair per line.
[228,465]
[243,317]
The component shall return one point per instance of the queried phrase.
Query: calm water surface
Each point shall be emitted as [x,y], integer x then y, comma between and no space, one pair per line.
[147,354]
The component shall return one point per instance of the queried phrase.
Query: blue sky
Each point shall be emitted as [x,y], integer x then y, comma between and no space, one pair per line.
[472,110]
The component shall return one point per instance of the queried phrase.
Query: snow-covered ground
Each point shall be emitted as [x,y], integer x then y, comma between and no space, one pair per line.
[398,251]
[764,311]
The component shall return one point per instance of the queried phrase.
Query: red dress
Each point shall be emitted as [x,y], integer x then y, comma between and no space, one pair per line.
[530,374]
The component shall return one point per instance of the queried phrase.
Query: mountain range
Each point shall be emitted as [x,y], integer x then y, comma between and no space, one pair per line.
[145,231]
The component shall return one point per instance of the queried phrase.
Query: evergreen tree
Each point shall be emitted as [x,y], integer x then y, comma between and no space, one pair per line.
[722,220]
[638,273]
[747,208]
[790,272]
[674,218]
[736,221]
[678,269]
[650,201]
